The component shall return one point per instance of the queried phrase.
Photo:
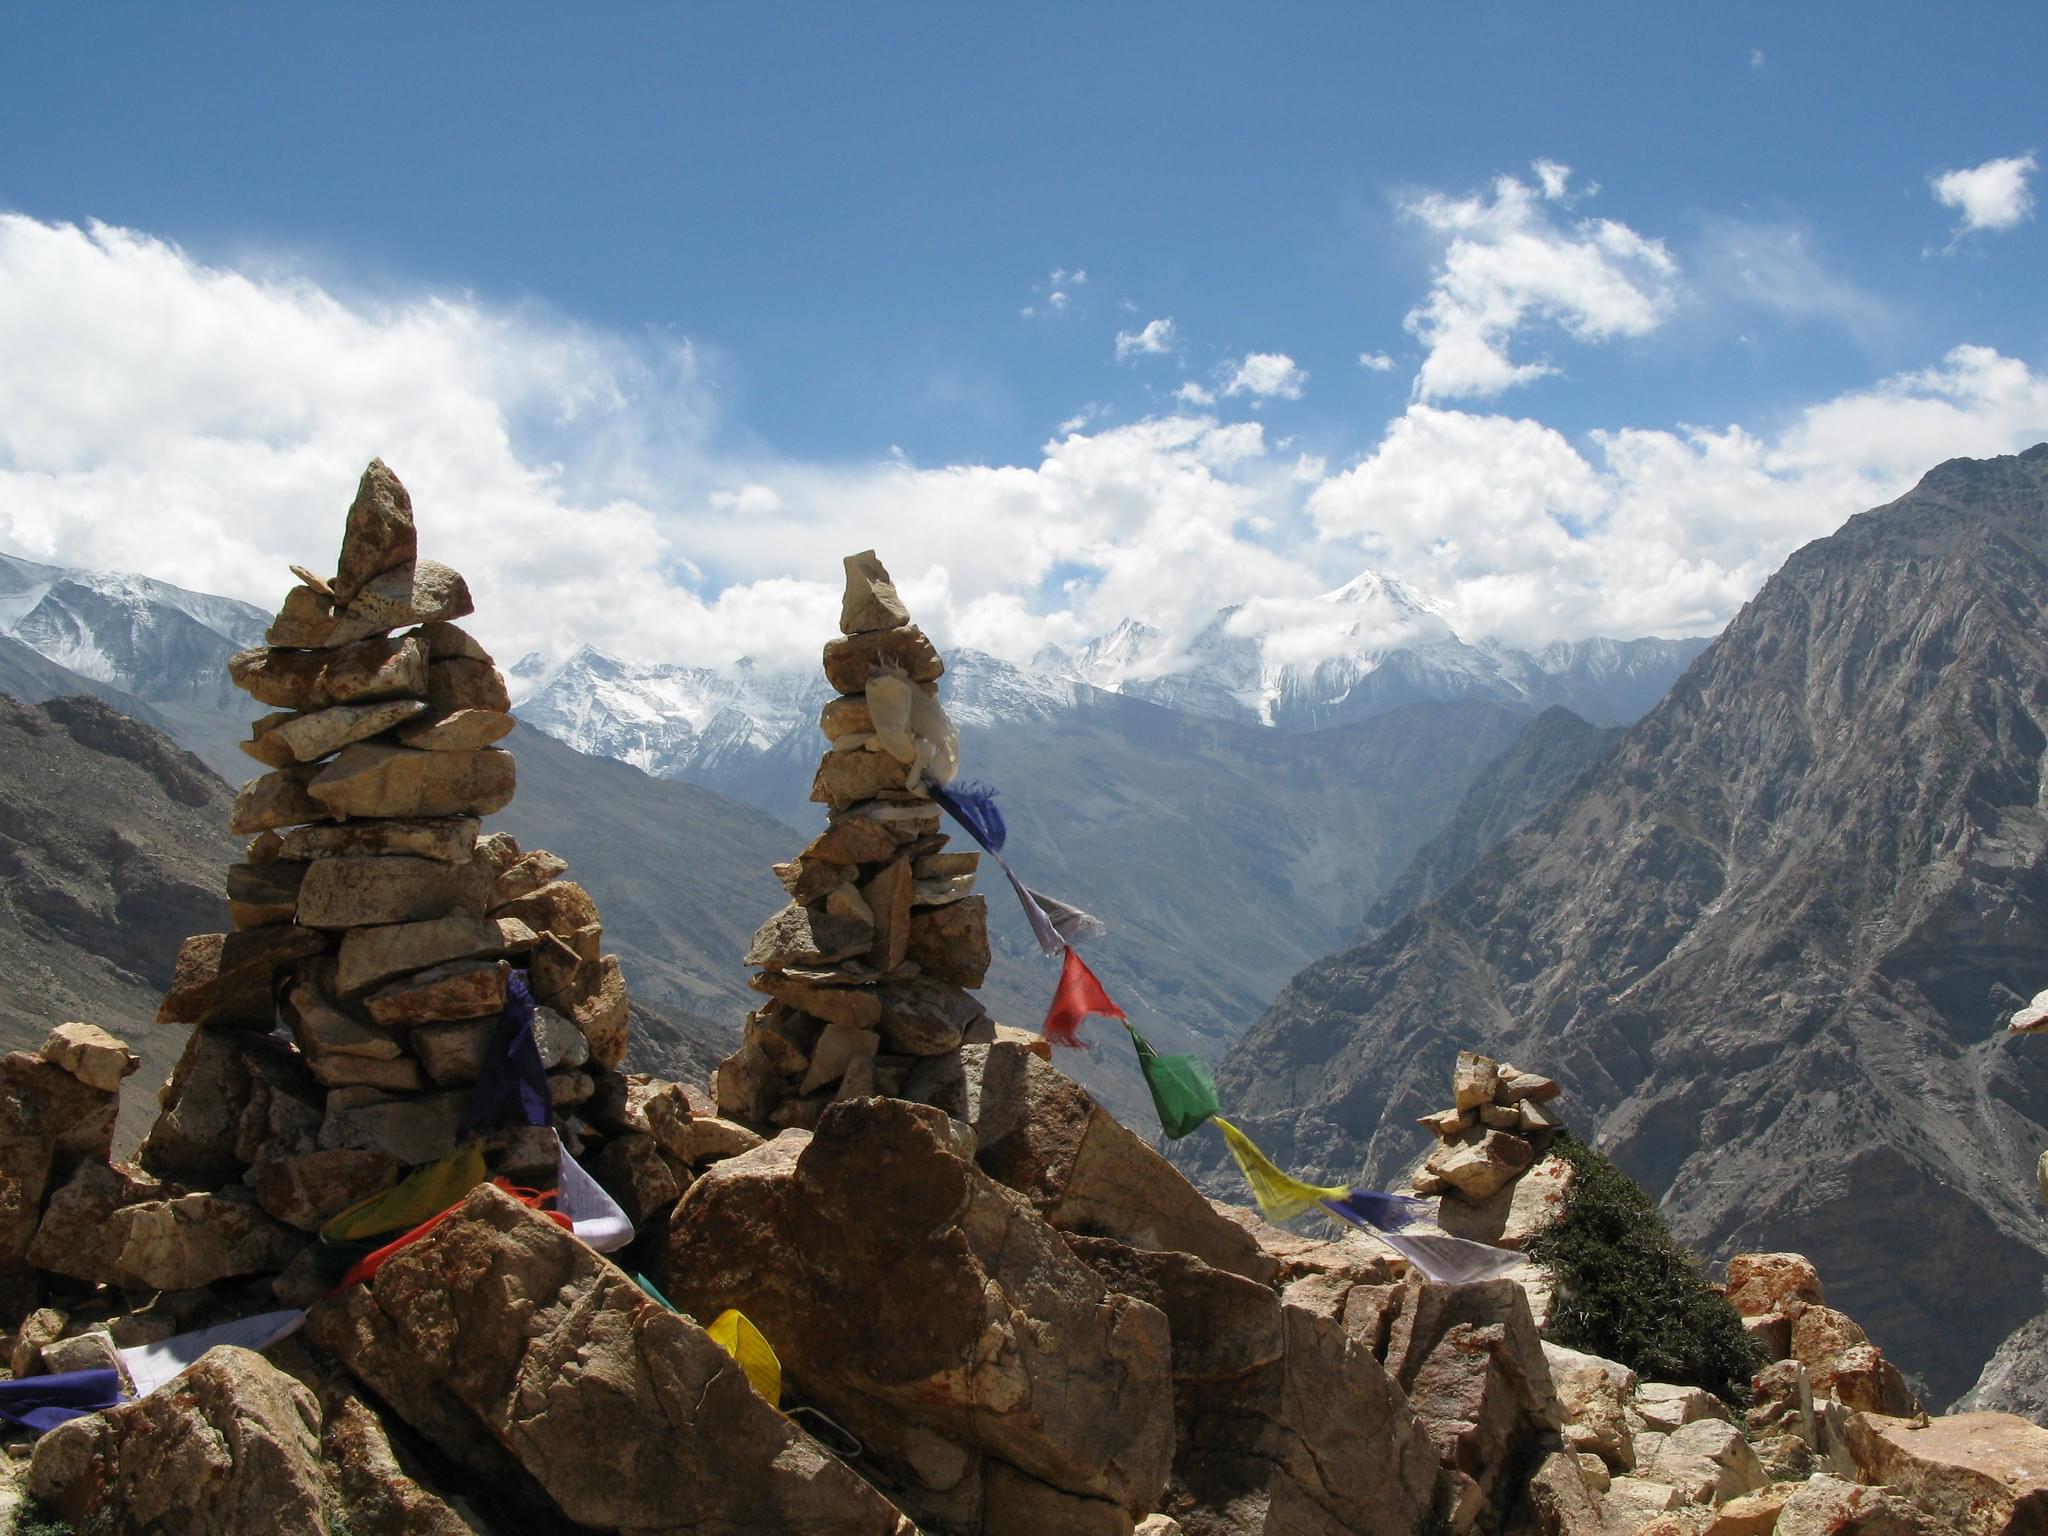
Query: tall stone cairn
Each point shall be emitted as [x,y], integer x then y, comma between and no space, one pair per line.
[868,969]
[369,913]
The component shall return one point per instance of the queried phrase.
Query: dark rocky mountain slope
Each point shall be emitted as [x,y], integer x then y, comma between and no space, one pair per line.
[1769,942]
[113,842]
[1555,749]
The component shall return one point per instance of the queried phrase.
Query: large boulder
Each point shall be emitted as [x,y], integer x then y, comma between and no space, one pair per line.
[521,1354]
[233,1098]
[1283,1422]
[1969,1474]
[1473,1366]
[234,1448]
[1004,1346]
[1039,1132]
[50,1118]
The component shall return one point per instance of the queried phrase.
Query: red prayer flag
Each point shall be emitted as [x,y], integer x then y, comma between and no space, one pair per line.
[1079,995]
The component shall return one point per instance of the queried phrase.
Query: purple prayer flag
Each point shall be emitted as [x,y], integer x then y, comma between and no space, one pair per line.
[41,1403]
[513,1089]
[974,807]
[1387,1213]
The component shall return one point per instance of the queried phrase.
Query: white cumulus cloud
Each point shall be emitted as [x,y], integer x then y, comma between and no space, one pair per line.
[1376,362]
[1267,376]
[1507,264]
[1993,196]
[1156,338]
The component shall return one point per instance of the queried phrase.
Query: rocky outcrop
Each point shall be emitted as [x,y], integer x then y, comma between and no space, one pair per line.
[1011,1350]
[236,1448]
[540,1367]
[1767,904]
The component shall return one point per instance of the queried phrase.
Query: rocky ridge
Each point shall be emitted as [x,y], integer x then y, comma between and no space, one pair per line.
[1767,944]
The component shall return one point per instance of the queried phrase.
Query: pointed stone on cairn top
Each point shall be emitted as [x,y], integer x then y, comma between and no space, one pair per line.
[868,969]
[870,601]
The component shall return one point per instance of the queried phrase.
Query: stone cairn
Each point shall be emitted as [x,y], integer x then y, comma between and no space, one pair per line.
[867,969]
[367,908]
[1496,1129]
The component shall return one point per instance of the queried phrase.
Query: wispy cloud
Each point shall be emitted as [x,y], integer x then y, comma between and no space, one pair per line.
[1376,362]
[1056,294]
[1508,264]
[1779,267]
[1157,338]
[1991,196]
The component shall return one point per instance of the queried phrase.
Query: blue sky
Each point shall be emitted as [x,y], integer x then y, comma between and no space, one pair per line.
[709,291]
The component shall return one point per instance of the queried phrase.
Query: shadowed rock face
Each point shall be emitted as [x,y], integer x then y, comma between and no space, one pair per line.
[1768,944]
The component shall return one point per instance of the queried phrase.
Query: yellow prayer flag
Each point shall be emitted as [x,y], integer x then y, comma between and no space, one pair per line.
[1281,1196]
[739,1338]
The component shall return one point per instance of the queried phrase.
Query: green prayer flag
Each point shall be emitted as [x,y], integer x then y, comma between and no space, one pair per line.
[1182,1091]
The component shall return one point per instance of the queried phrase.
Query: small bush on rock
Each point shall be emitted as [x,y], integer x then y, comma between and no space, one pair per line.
[1627,1289]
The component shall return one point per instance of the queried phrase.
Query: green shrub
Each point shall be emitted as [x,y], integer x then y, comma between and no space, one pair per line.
[1627,1289]
[35,1518]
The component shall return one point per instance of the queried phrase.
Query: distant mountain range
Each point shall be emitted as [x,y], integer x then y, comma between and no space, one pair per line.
[1768,942]
[1387,646]
[1224,854]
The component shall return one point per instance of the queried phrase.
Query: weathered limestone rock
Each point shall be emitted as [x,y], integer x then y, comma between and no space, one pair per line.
[370,955]
[857,1007]
[870,601]
[924,1016]
[598,1006]
[451,839]
[852,660]
[1708,1461]
[453,1054]
[1762,1283]
[279,799]
[1512,1215]
[463,730]
[1827,1506]
[420,592]
[460,683]
[231,1098]
[380,1493]
[116,1226]
[1593,1394]
[226,978]
[308,738]
[91,1055]
[48,1118]
[560,907]
[356,891]
[1821,1337]
[461,989]
[1968,1474]
[543,1369]
[1477,1169]
[409,1131]
[532,872]
[632,1171]
[234,1448]
[1559,1497]
[1663,1406]
[848,778]
[262,894]
[376,779]
[1863,1379]
[362,673]
[1753,1514]
[888,898]
[798,936]
[1014,1350]
[323,1029]
[950,943]
[1039,1133]
[379,535]
[851,838]
[1283,1421]
[303,1191]
[1473,1367]
[305,621]
[1473,1080]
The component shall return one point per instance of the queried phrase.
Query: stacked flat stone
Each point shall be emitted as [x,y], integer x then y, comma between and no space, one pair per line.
[1497,1128]
[368,910]
[869,967]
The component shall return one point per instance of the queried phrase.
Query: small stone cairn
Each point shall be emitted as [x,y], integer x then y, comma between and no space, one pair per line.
[867,969]
[1497,1128]
[367,908]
